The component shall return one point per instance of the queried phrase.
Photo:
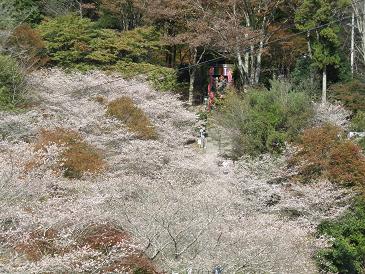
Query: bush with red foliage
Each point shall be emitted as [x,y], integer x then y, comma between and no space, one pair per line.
[351,95]
[78,156]
[27,42]
[99,237]
[103,237]
[39,244]
[325,152]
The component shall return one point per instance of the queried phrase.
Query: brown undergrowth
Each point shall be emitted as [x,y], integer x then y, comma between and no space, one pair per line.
[77,158]
[39,243]
[325,152]
[134,118]
[98,237]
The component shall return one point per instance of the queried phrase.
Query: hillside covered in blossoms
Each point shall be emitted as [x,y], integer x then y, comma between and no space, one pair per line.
[159,203]
[182,136]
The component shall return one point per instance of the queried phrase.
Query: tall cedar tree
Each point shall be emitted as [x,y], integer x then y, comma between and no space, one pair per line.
[324,41]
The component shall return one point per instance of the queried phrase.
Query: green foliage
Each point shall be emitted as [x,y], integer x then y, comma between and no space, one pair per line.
[263,120]
[301,71]
[11,82]
[161,78]
[347,253]
[358,122]
[139,44]
[361,143]
[67,39]
[351,94]
[13,12]
[29,10]
[103,49]
[74,42]
[325,41]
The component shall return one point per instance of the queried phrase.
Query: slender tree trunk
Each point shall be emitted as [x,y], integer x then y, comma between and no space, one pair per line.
[173,61]
[241,65]
[247,53]
[253,67]
[258,62]
[80,8]
[352,44]
[324,85]
[259,52]
[309,45]
[359,10]
[311,74]
[363,32]
[247,62]
[192,72]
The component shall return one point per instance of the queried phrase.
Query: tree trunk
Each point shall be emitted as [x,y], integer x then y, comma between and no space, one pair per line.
[309,45]
[247,62]
[173,56]
[363,31]
[80,8]
[192,71]
[359,10]
[253,67]
[352,44]
[324,85]
[258,62]
[191,85]
[241,65]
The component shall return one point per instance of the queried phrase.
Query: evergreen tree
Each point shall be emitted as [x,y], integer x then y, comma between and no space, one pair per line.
[323,41]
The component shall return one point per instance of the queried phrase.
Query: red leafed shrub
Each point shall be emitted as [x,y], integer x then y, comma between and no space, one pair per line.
[325,152]
[352,95]
[346,163]
[103,237]
[100,237]
[40,243]
[78,156]
[28,41]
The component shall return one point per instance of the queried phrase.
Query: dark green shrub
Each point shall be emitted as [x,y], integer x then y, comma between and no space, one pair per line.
[140,44]
[67,39]
[347,252]
[361,143]
[12,83]
[161,78]
[358,121]
[75,42]
[263,120]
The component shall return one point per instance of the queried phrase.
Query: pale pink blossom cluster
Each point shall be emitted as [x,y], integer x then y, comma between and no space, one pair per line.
[334,114]
[184,207]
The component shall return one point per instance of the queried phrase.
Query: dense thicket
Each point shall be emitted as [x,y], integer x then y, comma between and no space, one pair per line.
[346,255]
[264,120]
[11,82]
